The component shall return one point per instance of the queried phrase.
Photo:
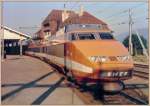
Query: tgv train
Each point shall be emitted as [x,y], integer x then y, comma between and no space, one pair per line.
[88,54]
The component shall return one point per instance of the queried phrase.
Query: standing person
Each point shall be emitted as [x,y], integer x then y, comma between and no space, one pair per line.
[4,54]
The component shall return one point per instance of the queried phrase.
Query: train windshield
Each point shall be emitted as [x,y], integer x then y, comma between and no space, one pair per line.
[86,36]
[106,36]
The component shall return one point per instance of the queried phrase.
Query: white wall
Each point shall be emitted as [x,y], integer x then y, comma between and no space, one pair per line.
[12,35]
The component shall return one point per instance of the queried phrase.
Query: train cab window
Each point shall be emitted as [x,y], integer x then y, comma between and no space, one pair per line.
[86,36]
[72,37]
[106,36]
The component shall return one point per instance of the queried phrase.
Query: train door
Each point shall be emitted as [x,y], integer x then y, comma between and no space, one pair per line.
[69,60]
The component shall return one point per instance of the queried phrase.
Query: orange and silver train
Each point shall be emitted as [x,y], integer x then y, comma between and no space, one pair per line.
[88,54]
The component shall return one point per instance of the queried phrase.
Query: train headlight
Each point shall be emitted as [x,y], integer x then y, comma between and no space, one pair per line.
[103,59]
[93,58]
[98,58]
[123,58]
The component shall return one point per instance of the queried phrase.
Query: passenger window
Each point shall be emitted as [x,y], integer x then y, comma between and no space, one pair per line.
[73,37]
[106,36]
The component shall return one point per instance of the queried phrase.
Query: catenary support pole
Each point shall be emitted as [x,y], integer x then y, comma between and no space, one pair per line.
[130,33]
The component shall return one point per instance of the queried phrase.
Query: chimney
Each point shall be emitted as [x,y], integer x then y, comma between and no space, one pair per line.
[64,14]
[64,8]
[81,10]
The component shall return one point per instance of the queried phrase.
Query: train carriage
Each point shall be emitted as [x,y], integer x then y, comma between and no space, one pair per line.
[88,54]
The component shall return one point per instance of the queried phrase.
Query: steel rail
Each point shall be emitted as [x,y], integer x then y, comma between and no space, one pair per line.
[142,71]
[133,99]
[141,65]
[141,74]
[135,86]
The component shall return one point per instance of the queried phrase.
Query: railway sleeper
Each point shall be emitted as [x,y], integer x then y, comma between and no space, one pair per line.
[146,76]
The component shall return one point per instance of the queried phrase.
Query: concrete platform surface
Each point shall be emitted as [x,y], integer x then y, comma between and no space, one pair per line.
[27,80]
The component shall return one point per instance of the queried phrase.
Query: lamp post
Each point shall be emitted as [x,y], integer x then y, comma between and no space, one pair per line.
[20,41]
[2,43]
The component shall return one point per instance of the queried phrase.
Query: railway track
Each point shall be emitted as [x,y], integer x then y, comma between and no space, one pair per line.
[127,97]
[123,98]
[136,86]
[141,70]
[141,65]
[131,95]
[133,99]
[92,96]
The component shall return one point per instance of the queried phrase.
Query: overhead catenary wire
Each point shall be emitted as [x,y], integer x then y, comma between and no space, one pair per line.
[29,27]
[130,27]
[74,5]
[126,22]
[104,9]
[124,11]
[130,34]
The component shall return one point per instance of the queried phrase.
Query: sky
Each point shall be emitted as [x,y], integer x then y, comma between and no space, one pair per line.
[27,17]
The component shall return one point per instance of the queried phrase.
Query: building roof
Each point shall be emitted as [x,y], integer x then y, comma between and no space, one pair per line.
[73,18]
[86,18]
[56,15]
[54,20]
[17,32]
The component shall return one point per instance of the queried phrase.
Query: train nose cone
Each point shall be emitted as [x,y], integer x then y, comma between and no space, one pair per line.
[113,87]
[101,48]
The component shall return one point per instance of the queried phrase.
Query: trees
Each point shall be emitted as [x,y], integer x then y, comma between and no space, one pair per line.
[137,48]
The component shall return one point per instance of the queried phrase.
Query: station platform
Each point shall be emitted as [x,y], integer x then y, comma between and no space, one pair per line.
[29,81]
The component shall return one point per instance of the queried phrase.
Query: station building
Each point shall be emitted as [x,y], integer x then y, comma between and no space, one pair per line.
[13,42]
[57,19]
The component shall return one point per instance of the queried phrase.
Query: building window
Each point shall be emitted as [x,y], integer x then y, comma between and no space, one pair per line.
[6,45]
[10,45]
[14,44]
[46,25]
[47,32]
